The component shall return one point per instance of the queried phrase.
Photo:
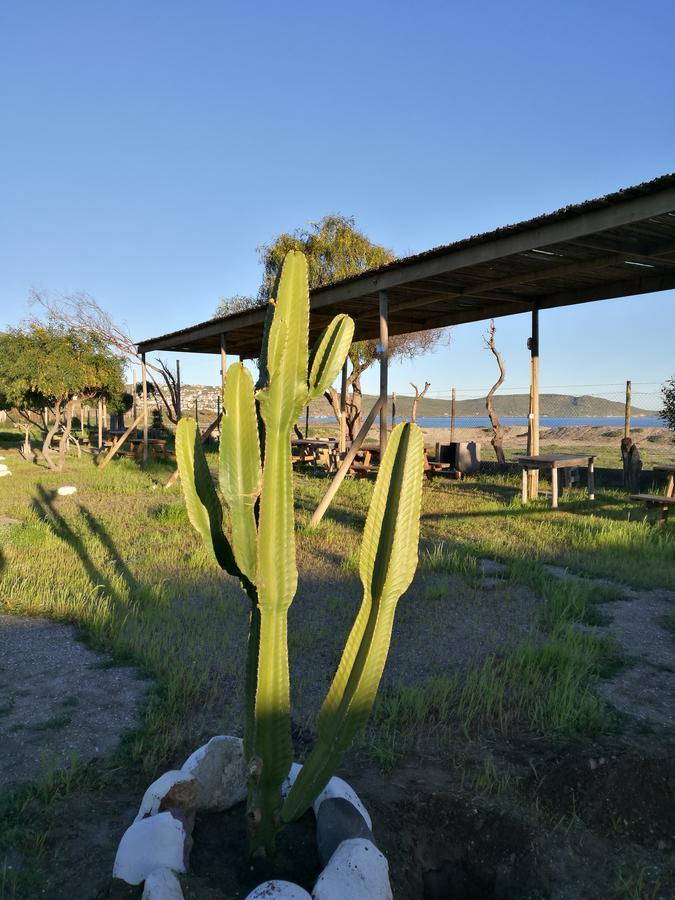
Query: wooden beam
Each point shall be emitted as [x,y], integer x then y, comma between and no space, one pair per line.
[533,474]
[339,476]
[343,409]
[118,443]
[384,368]
[179,400]
[144,376]
[223,363]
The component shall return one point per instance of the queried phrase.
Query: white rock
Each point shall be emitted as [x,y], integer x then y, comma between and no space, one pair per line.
[4,472]
[154,843]
[66,490]
[356,870]
[283,890]
[162,884]
[336,787]
[289,780]
[159,789]
[220,768]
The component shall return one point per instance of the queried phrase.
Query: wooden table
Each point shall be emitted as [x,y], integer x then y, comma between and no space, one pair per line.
[318,451]
[670,482]
[555,462]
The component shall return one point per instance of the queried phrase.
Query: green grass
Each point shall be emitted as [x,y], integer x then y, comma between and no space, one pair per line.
[120,561]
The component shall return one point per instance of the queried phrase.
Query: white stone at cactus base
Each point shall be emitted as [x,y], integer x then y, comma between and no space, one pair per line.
[158,790]
[289,780]
[4,470]
[162,884]
[278,890]
[336,787]
[66,490]
[220,769]
[154,843]
[357,871]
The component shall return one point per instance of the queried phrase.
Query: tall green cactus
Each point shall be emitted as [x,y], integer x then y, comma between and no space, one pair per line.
[259,496]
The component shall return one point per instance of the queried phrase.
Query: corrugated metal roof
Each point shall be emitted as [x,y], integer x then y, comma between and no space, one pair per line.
[616,245]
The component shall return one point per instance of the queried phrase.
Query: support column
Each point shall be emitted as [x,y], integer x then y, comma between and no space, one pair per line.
[223,362]
[134,410]
[384,369]
[99,422]
[144,377]
[179,411]
[343,409]
[533,343]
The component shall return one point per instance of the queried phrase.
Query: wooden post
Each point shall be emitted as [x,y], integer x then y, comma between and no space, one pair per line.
[99,422]
[554,487]
[134,408]
[345,465]
[384,368]
[343,409]
[118,443]
[178,397]
[144,378]
[307,421]
[223,362]
[534,384]
[452,415]
[626,421]
[218,405]
[393,409]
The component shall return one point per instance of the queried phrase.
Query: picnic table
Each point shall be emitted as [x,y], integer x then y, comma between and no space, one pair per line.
[662,502]
[317,451]
[555,462]
[669,470]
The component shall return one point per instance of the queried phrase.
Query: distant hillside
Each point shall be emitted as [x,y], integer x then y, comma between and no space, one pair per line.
[558,405]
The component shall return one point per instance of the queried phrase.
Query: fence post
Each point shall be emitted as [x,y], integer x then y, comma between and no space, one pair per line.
[452,416]
[626,420]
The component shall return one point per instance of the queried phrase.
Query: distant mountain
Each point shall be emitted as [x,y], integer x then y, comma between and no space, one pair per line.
[557,405]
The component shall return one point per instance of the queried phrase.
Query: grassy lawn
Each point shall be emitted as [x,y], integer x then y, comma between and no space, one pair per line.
[120,560]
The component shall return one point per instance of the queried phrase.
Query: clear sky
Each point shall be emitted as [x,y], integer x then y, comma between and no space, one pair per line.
[147,148]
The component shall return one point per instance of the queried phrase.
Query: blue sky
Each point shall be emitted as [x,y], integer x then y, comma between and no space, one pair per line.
[147,148]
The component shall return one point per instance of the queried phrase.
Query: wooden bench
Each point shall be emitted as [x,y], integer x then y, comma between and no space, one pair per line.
[660,501]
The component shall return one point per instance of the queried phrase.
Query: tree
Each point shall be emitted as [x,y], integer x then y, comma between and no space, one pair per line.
[83,312]
[497,427]
[44,367]
[668,411]
[419,395]
[335,249]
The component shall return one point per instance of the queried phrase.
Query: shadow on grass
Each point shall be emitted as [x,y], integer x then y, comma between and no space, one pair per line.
[44,507]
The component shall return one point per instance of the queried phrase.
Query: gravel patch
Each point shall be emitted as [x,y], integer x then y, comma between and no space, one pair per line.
[645,689]
[58,700]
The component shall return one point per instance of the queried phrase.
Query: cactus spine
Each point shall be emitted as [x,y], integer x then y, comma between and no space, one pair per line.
[257,487]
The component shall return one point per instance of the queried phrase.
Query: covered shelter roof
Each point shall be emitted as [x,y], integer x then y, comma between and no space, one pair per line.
[618,245]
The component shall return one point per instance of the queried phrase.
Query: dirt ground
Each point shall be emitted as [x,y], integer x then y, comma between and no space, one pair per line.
[61,702]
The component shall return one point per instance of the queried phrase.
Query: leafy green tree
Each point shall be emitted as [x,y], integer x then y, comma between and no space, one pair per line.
[43,367]
[335,249]
[668,411]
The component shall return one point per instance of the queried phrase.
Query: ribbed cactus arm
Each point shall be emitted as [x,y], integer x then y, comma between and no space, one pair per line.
[280,401]
[328,354]
[203,506]
[240,469]
[387,565]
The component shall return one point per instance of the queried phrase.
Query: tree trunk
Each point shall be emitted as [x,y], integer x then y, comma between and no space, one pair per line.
[65,436]
[354,408]
[497,427]
[416,399]
[47,443]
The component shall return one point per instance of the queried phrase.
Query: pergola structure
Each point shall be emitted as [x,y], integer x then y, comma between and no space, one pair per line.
[619,245]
